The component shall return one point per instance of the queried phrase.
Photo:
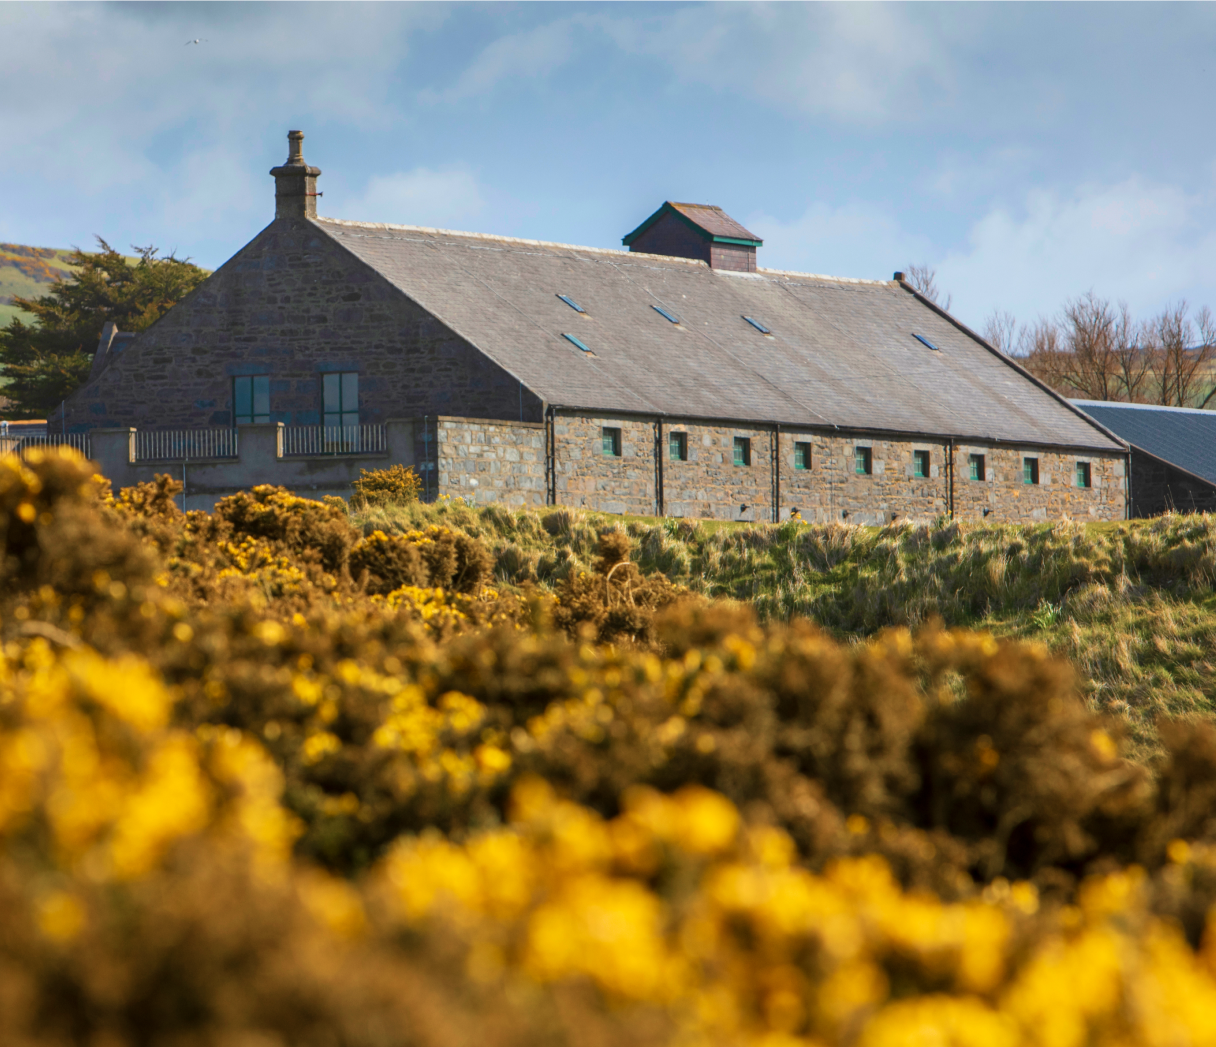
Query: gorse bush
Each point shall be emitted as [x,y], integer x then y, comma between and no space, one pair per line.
[396,485]
[264,779]
[1127,603]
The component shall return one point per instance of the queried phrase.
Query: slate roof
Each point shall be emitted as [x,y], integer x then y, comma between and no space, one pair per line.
[1181,435]
[841,352]
[709,219]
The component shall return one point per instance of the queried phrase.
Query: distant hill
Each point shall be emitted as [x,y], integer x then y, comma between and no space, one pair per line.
[28,272]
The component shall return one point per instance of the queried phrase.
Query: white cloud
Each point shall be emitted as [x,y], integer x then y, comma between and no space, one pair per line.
[1142,242]
[861,63]
[443,198]
[856,239]
[532,54]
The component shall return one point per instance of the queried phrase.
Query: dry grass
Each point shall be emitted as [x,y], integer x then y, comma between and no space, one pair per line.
[1131,604]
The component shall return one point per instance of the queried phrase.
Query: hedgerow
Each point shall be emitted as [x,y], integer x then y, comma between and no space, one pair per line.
[264,779]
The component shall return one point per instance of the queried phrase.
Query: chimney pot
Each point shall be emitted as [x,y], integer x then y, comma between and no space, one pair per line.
[295,183]
[899,276]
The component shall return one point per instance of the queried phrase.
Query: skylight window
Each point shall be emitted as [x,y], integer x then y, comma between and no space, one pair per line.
[572,303]
[925,341]
[664,313]
[578,343]
[757,325]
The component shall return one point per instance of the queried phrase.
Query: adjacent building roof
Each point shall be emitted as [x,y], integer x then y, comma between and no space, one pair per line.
[714,223]
[839,353]
[1182,436]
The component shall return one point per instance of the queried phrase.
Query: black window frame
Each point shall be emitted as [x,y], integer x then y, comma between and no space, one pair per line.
[610,441]
[253,416]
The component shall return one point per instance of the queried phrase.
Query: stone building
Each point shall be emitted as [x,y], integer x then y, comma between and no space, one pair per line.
[676,377]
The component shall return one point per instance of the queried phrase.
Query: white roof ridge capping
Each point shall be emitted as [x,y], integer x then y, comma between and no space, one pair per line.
[614,252]
[1143,407]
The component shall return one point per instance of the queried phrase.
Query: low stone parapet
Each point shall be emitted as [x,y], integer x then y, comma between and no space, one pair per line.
[255,457]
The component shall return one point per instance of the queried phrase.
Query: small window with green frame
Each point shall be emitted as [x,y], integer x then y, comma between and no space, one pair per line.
[920,463]
[610,441]
[1084,476]
[677,446]
[863,461]
[340,399]
[977,464]
[743,450]
[802,456]
[251,399]
[1030,470]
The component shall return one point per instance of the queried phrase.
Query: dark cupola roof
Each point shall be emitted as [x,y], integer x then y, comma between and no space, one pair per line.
[711,221]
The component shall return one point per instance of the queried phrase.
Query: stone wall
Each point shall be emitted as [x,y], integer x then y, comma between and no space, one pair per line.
[294,305]
[1008,498]
[710,485]
[1159,487]
[487,461]
[588,478]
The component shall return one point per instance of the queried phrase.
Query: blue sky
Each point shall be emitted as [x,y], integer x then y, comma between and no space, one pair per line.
[1027,152]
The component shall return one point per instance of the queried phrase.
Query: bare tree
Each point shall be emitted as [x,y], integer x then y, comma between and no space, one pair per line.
[1206,324]
[1001,331]
[1182,357]
[924,280]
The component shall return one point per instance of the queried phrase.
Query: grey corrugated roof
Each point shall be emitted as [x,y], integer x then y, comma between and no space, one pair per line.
[841,352]
[1181,435]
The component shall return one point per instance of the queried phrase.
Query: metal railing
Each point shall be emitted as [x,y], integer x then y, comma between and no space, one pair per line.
[15,443]
[179,445]
[301,441]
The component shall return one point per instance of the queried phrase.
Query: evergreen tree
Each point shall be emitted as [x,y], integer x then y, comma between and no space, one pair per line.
[45,362]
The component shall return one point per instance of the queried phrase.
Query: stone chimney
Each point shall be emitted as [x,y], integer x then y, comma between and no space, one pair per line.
[295,183]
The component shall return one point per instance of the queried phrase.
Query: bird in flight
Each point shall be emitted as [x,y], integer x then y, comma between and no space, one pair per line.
[195,41]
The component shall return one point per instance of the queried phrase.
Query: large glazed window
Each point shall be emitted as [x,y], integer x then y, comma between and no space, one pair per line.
[251,399]
[340,393]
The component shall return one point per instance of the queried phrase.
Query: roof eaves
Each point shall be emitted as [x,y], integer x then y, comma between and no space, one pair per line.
[667,208]
[671,208]
[1009,362]
[1173,465]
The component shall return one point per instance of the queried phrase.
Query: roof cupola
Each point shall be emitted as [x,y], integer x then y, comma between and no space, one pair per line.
[700,231]
[295,183]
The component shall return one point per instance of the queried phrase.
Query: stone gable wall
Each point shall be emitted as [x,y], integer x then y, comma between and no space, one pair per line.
[293,304]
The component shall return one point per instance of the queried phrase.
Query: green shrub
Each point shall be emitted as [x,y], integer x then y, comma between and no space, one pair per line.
[396,485]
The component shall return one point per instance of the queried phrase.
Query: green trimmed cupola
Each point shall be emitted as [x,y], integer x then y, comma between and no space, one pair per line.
[700,231]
